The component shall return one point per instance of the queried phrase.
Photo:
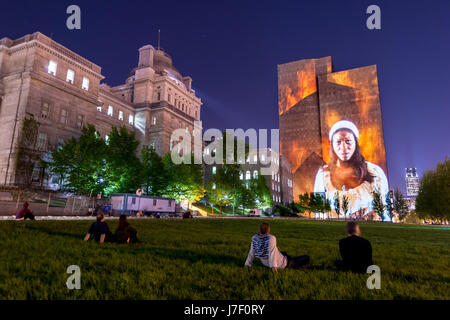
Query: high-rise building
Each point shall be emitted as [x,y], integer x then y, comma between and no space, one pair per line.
[412,182]
[331,131]
[43,80]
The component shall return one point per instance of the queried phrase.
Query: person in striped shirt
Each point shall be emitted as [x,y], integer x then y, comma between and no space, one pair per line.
[264,247]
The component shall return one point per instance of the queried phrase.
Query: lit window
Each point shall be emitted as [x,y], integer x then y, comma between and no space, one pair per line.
[106,139]
[63,116]
[52,67]
[207,150]
[80,120]
[110,111]
[214,170]
[241,176]
[99,108]
[255,158]
[85,84]
[121,115]
[247,175]
[45,109]
[214,186]
[187,129]
[41,141]
[70,76]
[255,174]
[130,119]
[60,143]
[154,120]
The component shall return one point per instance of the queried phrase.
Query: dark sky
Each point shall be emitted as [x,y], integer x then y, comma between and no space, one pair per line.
[231,50]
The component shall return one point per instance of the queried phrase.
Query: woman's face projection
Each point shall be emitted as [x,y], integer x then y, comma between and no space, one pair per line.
[344,144]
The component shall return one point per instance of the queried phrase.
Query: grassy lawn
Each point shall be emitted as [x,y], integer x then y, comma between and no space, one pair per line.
[203,259]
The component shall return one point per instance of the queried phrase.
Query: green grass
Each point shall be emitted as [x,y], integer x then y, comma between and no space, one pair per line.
[203,259]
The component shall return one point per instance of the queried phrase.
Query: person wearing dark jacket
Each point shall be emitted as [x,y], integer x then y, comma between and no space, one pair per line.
[99,229]
[124,232]
[25,213]
[356,252]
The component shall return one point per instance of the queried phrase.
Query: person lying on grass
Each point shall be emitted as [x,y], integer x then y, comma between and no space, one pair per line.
[264,247]
[124,232]
[356,252]
[99,229]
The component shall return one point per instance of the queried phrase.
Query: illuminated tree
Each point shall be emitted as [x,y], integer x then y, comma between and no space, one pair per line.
[400,205]
[345,207]
[154,172]
[389,206]
[337,203]
[378,205]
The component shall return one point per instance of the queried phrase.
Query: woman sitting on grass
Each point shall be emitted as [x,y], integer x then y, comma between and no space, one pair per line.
[124,232]
[264,247]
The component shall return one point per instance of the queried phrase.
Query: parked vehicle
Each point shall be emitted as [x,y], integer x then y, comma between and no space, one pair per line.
[255,212]
[125,203]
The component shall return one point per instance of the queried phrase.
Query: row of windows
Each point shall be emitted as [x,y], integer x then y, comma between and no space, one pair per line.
[110,112]
[41,142]
[276,198]
[63,115]
[275,187]
[70,75]
[177,103]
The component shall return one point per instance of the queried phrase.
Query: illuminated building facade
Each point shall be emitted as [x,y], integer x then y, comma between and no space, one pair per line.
[317,109]
[412,182]
[41,79]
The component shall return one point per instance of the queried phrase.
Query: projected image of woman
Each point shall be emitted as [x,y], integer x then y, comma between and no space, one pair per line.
[348,172]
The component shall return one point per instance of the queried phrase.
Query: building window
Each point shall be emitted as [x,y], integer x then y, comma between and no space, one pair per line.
[120,115]
[99,108]
[133,200]
[154,120]
[63,116]
[110,111]
[255,174]
[247,175]
[52,67]
[60,143]
[241,176]
[263,157]
[214,170]
[106,139]
[214,186]
[154,202]
[70,76]
[85,84]
[36,175]
[80,120]
[130,119]
[42,139]
[159,96]
[168,97]
[45,109]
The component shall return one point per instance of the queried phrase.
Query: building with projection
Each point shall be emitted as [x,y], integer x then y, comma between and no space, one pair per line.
[62,91]
[331,131]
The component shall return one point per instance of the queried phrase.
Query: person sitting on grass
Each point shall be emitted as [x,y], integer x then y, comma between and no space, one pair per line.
[124,232]
[25,213]
[99,229]
[264,247]
[356,252]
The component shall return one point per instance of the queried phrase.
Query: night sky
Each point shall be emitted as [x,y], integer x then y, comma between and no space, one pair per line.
[231,50]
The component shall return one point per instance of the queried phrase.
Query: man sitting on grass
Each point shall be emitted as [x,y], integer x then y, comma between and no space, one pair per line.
[99,229]
[264,247]
[356,252]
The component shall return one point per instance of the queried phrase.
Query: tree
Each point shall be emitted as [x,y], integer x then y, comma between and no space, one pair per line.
[28,155]
[304,202]
[345,208]
[81,163]
[389,206]
[433,200]
[220,188]
[154,172]
[378,205]
[400,205]
[263,197]
[123,168]
[185,181]
[337,203]
[244,197]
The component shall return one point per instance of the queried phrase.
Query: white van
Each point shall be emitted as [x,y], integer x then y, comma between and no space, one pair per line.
[255,212]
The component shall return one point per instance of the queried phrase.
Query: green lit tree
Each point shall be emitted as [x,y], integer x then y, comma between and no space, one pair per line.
[337,203]
[154,172]
[378,205]
[345,207]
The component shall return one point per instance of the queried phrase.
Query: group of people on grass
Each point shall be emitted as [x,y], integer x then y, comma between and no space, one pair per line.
[356,252]
[125,233]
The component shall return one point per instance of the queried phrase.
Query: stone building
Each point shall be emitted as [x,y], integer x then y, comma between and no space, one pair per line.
[43,80]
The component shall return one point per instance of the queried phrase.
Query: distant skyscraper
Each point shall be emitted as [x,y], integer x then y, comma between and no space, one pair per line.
[412,182]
